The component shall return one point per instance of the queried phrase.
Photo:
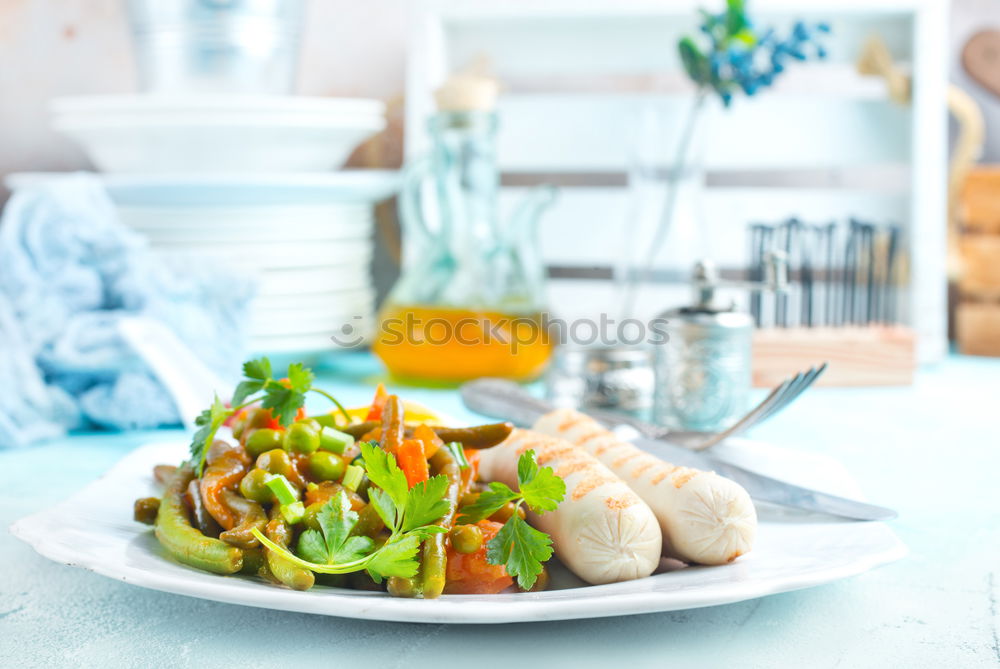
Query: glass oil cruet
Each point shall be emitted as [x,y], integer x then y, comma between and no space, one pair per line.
[470,300]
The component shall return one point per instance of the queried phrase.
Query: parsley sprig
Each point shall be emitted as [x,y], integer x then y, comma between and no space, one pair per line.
[408,513]
[518,546]
[282,397]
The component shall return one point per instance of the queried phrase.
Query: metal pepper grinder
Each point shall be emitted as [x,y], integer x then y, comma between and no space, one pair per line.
[702,365]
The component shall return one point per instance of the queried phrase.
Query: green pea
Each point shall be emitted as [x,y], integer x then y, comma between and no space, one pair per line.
[326,466]
[254,487]
[309,520]
[275,461]
[466,538]
[504,513]
[301,438]
[263,440]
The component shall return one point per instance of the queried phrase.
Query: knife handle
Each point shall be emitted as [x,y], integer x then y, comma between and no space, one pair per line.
[498,398]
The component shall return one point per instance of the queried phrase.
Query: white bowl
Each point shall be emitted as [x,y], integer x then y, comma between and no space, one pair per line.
[163,143]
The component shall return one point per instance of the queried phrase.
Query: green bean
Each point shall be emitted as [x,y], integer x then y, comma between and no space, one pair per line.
[287,573]
[249,516]
[479,436]
[254,561]
[185,543]
[392,424]
[434,559]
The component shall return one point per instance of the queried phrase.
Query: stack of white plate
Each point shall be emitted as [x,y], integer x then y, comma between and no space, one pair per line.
[243,181]
[229,134]
[305,239]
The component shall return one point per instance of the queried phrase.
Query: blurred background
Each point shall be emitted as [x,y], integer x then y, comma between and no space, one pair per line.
[263,174]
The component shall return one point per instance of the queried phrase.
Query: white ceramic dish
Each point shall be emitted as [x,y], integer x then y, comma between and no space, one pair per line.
[304,281]
[271,223]
[213,143]
[342,257]
[240,190]
[94,530]
[332,301]
[225,104]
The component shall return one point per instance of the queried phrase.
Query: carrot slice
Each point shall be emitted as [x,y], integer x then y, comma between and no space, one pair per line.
[431,441]
[412,461]
[375,412]
[472,573]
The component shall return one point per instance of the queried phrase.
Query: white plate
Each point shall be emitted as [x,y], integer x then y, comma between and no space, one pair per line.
[280,222]
[176,104]
[94,530]
[343,257]
[243,190]
[278,283]
[328,302]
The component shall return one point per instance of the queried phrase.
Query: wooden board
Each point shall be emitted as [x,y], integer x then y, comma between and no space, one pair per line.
[980,264]
[980,201]
[869,356]
[977,326]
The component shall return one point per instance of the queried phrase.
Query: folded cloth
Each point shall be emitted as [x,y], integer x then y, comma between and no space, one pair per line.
[69,270]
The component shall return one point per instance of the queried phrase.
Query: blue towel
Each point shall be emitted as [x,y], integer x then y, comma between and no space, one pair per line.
[69,270]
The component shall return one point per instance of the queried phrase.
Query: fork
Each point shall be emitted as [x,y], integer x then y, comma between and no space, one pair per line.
[483,395]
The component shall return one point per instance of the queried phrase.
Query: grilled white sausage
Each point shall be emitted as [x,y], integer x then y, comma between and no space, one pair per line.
[704,517]
[602,531]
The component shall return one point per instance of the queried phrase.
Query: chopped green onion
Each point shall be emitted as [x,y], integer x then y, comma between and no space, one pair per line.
[334,440]
[282,489]
[459,453]
[353,477]
[325,419]
[293,513]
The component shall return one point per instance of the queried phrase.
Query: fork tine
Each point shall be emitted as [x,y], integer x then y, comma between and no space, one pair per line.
[776,400]
[782,399]
[792,394]
[749,419]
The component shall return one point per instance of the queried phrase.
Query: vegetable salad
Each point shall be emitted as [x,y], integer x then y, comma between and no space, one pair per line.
[383,503]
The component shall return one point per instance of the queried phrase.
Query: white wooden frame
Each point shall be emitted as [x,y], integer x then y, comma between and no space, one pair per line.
[435,24]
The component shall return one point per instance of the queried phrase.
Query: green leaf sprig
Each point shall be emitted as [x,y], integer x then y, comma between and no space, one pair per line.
[518,546]
[282,398]
[409,515]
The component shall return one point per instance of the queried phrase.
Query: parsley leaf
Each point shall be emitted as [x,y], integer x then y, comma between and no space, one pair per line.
[283,402]
[333,543]
[425,503]
[383,472]
[208,421]
[521,549]
[384,507]
[259,369]
[395,558]
[258,373]
[541,489]
[489,502]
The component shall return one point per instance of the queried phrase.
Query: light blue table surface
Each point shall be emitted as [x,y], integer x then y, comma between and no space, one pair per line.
[932,451]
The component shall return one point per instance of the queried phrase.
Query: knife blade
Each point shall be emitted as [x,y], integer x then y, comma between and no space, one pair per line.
[765,488]
[507,401]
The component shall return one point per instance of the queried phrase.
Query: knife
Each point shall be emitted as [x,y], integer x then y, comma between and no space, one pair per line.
[509,402]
